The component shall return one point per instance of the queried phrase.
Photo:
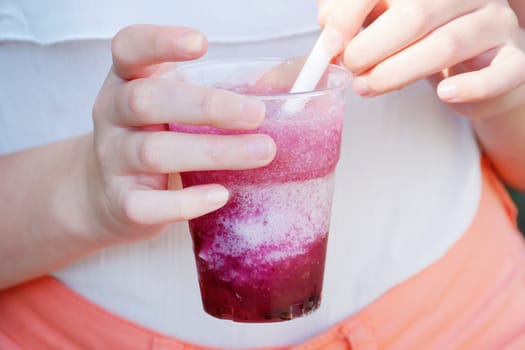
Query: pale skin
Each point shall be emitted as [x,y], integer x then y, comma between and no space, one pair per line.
[68,199]
[63,201]
[472,51]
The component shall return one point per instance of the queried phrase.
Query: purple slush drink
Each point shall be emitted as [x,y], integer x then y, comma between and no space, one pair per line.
[261,257]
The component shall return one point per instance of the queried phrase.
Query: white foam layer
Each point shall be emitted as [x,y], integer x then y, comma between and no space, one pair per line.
[293,213]
[284,219]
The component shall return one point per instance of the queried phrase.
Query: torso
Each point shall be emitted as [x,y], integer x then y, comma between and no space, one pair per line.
[407,184]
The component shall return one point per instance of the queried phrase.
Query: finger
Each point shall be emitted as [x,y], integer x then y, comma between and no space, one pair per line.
[146,207]
[503,74]
[345,16]
[399,26]
[168,152]
[377,11]
[154,101]
[466,37]
[325,7]
[138,48]
[282,76]
[491,107]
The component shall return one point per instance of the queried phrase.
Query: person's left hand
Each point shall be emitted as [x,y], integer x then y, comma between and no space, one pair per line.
[467,48]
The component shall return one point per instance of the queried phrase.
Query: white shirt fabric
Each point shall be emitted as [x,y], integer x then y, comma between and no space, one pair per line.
[407,184]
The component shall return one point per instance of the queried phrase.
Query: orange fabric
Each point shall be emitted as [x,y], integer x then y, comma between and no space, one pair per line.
[472,298]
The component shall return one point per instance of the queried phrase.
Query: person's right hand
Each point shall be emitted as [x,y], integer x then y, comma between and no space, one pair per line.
[130,192]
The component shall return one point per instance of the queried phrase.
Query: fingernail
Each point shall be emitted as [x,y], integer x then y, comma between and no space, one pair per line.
[190,42]
[260,148]
[253,111]
[217,196]
[447,91]
[333,41]
[360,86]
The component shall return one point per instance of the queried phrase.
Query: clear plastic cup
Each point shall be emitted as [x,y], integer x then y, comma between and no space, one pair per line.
[261,257]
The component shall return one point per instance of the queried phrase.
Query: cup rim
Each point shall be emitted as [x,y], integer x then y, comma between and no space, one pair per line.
[240,60]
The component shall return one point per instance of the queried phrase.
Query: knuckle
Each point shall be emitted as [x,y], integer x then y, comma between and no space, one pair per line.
[102,151]
[137,97]
[219,153]
[416,16]
[147,153]
[158,43]
[224,152]
[210,105]
[448,46]
[130,208]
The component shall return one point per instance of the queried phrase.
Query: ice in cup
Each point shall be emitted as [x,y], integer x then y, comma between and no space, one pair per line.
[261,257]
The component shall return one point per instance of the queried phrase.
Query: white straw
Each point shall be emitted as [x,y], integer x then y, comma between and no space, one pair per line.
[310,74]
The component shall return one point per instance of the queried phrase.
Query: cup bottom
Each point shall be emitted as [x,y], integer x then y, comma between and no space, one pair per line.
[279,291]
[299,309]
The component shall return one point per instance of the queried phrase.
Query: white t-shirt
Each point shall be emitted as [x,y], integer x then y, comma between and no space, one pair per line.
[407,184]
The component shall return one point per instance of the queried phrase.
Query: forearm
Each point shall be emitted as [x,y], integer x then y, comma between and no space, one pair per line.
[43,223]
[503,140]
[502,137]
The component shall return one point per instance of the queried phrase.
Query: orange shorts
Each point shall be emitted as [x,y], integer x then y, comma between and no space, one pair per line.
[472,298]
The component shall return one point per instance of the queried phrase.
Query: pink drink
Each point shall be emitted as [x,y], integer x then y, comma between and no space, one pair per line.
[261,257]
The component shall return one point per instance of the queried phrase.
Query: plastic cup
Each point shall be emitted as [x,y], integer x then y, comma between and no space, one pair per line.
[261,257]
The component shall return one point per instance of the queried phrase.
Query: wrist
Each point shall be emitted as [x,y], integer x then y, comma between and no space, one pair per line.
[44,211]
[72,201]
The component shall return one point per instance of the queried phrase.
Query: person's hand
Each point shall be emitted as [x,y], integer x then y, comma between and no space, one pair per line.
[467,48]
[131,193]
